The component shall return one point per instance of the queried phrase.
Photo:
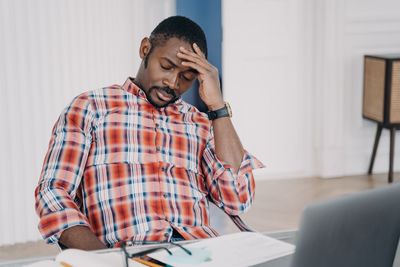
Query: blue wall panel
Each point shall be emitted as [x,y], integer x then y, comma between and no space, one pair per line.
[207,13]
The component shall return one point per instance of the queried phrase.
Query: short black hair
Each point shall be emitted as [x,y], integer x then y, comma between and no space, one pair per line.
[179,27]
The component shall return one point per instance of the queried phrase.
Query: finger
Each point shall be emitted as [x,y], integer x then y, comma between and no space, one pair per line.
[188,52]
[200,69]
[199,61]
[200,58]
[198,50]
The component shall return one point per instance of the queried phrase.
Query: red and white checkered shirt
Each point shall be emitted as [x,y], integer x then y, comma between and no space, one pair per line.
[130,171]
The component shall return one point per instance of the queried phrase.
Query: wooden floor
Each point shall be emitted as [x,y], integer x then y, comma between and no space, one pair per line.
[278,206]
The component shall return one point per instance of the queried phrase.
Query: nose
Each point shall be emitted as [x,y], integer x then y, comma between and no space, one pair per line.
[172,81]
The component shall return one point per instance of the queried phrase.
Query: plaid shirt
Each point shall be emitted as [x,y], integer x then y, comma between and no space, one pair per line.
[130,171]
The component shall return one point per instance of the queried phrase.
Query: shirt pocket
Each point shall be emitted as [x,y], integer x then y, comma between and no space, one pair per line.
[184,146]
[117,138]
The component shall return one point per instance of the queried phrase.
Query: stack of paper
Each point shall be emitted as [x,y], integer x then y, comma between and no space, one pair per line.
[240,249]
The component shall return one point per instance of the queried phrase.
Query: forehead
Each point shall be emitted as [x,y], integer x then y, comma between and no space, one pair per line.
[171,47]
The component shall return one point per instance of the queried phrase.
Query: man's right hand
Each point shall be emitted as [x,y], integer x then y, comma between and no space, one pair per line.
[81,237]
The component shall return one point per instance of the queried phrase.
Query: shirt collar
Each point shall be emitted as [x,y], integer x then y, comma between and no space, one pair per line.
[132,88]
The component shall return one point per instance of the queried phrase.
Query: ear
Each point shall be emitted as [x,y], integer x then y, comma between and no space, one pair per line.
[145,46]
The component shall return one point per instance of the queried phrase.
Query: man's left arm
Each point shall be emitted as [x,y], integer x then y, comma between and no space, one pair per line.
[228,147]
[228,167]
[227,143]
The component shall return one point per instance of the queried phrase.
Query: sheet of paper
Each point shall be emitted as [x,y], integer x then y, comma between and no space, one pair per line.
[239,249]
[81,258]
[44,263]
[76,258]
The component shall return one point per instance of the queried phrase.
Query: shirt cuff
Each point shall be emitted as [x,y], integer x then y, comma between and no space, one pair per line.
[249,163]
[52,225]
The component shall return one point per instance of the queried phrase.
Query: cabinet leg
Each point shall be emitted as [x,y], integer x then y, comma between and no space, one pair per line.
[376,143]
[392,142]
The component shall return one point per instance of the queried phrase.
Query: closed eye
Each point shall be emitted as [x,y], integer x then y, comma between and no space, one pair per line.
[165,67]
[188,77]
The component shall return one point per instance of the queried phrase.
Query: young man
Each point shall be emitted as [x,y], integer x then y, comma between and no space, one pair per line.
[135,163]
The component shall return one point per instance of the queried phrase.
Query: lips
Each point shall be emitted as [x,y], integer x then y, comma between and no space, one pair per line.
[164,96]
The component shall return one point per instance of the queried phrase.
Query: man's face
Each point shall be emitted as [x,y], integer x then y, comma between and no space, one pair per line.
[164,79]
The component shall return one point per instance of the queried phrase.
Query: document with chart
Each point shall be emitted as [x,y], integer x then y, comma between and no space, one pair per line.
[239,249]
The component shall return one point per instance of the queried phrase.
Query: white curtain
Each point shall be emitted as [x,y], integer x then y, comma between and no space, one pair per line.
[50,51]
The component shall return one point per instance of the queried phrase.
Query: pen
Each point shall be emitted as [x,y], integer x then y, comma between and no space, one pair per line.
[147,263]
[64,264]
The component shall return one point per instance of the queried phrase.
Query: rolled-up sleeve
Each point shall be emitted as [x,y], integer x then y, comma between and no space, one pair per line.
[233,192]
[56,200]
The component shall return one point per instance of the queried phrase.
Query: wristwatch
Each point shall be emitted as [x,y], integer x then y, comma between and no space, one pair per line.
[226,111]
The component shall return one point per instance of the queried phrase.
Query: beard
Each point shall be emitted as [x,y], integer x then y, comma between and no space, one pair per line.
[166,90]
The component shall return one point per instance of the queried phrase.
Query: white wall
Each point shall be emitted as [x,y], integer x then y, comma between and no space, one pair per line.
[50,51]
[293,73]
[297,62]
[264,61]
[349,30]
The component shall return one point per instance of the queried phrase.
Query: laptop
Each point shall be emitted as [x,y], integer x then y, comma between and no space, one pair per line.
[360,229]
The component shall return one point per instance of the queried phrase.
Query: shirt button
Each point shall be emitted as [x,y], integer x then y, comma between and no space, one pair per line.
[166,235]
[158,149]
[165,195]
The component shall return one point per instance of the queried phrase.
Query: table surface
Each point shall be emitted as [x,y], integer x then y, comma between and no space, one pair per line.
[286,236]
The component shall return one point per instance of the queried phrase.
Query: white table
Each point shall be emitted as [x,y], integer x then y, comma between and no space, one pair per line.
[287,236]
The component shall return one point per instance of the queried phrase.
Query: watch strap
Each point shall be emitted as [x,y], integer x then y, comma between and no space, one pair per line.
[219,113]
